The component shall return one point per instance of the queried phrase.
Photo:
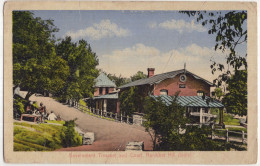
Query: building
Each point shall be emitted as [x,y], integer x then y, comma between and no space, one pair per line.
[194,92]
[105,94]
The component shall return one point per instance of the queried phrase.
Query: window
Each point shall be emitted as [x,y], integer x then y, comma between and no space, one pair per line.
[163,92]
[100,91]
[107,90]
[200,93]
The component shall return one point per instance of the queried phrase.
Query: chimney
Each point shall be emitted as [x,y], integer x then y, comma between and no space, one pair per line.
[150,72]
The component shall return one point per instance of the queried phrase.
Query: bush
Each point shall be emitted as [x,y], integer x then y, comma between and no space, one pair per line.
[69,137]
[19,105]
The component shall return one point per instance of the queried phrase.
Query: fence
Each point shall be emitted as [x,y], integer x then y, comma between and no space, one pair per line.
[229,135]
[104,114]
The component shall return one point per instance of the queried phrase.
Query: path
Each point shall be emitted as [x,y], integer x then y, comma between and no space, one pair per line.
[109,135]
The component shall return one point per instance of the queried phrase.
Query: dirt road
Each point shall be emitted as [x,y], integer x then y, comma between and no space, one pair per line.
[109,135]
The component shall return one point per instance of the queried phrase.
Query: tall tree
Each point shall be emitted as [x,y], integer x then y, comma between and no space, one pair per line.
[230,31]
[35,64]
[235,100]
[82,63]
[139,75]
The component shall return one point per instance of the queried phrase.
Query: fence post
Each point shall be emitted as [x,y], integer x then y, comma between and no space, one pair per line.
[212,136]
[227,135]
[121,118]
[243,136]
[111,115]
[101,113]
[116,116]
[141,120]
[127,119]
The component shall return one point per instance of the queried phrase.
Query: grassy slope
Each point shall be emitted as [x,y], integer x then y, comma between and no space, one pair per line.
[37,137]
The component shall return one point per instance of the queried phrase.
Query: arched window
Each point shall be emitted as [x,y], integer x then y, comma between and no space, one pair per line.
[163,92]
[200,93]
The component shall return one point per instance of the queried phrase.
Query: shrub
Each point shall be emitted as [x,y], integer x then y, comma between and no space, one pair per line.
[69,137]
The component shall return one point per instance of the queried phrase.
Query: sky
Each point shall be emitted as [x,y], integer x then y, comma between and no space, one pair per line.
[130,41]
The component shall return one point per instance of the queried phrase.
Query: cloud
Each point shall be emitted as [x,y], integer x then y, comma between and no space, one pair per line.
[179,25]
[104,29]
[139,57]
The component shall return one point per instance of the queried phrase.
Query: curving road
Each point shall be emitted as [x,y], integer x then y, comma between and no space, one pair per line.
[109,135]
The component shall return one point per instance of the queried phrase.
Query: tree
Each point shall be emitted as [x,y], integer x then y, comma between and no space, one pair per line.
[218,93]
[132,100]
[139,75]
[35,65]
[167,126]
[119,81]
[82,68]
[229,31]
[235,100]
[163,122]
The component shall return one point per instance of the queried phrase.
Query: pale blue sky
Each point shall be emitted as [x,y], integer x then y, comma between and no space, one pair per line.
[129,41]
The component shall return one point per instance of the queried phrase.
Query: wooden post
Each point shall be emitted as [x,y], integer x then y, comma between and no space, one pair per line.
[97,111]
[227,135]
[121,117]
[201,120]
[127,119]
[141,120]
[243,136]
[212,136]
[221,116]
[116,116]
[111,114]
[101,113]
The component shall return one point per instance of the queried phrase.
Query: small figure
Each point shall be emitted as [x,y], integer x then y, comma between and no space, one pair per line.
[52,116]
[28,108]
[42,110]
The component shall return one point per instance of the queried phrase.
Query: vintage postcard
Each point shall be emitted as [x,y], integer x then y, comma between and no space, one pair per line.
[130,82]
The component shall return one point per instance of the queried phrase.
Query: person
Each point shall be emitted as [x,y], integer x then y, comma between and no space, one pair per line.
[42,110]
[28,107]
[52,116]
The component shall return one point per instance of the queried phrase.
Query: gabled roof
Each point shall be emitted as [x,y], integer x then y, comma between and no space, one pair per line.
[192,101]
[160,77]
[103,81]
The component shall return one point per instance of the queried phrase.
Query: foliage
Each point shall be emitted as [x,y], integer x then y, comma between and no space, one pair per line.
[132,100]
[69,136]
[195,138]
[167,126]
[118,80]
[82,104]
[235,100]
[163,122]
[82,62]
[19,105]
[218,93]
[41,137]
[55,121]
[35,64]
[139,75]
[230,31]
